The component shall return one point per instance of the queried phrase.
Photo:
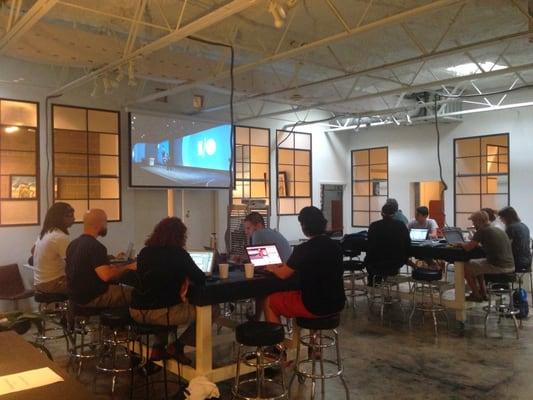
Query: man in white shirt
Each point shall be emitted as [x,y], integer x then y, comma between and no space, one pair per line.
[50,248]
[422,221]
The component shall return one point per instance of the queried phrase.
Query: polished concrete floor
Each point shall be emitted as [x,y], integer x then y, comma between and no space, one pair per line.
[391,362]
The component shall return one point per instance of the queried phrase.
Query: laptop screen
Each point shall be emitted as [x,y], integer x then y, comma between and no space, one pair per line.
[266,254]
[453,235]
[418,234]
[204,260]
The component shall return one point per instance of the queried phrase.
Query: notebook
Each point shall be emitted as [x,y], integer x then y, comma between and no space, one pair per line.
[263,255]
[204,259]
[418,235]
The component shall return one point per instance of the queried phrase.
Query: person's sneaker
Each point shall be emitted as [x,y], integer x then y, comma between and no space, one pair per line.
[175,350]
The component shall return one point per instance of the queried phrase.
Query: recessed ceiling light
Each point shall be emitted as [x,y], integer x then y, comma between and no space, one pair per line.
[472,68]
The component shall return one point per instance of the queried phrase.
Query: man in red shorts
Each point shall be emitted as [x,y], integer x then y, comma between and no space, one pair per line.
[318,264]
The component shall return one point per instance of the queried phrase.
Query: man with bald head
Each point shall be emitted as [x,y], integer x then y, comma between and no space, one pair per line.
[89,273]
[498,250]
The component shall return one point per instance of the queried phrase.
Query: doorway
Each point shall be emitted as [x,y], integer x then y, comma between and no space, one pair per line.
[429,194]
[331,205]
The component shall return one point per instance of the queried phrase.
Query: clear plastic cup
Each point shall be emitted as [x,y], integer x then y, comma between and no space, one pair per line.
[223,271]
[248,270]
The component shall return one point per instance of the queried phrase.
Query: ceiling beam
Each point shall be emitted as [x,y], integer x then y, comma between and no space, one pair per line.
[414,88]
[384,22]
[25,23]
[221,13]
[414,60]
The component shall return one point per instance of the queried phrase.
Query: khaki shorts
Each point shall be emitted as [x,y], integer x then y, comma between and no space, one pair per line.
[180,314]
[58,285]
[481,266]
[115,296]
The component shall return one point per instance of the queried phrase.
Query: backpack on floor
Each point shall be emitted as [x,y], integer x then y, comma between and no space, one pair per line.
[520,303]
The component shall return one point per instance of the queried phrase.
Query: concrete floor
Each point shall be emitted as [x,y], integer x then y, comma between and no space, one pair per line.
[390,362]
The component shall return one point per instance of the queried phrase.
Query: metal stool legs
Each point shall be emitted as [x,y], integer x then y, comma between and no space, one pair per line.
[84,350]
[426,303]
[500,307]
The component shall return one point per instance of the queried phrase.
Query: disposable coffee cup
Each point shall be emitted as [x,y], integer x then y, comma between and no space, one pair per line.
[223,271]
[248,271]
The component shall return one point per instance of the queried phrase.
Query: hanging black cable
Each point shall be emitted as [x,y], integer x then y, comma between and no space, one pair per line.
[443,183]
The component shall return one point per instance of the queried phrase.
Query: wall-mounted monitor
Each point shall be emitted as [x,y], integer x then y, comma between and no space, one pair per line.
[176,153]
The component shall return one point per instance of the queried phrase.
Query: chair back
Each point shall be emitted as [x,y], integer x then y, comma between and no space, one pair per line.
[10,281]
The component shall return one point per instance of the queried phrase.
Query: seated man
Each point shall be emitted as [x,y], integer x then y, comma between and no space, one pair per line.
[319,265]
[422,221]
[398,214]
[254,227]
[387,247]
[88,271]
[518,233]
[497,247]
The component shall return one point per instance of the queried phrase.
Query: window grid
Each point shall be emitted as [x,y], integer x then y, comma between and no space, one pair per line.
[367,178]
[297,174]
[12,197]
[85,187]
[480,187]
[244,165]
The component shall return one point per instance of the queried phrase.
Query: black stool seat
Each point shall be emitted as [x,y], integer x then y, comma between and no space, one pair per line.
[500,278]
[323,323]
[259,333]
[81,311]
[148,329]
[115,318]
[353,265]
[428,275]
[42,297]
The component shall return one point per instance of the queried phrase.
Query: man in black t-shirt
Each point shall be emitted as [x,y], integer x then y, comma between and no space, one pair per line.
[89,274]
[388,245]
[318,263]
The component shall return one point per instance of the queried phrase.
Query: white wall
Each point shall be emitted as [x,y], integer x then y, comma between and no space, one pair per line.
[413,157]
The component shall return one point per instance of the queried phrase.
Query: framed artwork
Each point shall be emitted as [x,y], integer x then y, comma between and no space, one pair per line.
[282,184]
[23,187]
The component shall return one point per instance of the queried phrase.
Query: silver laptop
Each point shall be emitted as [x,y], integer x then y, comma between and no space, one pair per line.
[263,255]
[204,259]
[418,235]
[453,235]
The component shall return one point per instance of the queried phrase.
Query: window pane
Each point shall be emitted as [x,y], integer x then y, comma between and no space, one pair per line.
[285,156]
[18,113]
[237,193]
[378,171]
[80,208]
[361,173]
[5,187]
[286,171]
[285,139]
[463,221]
[494,201]
[376,202]
[70,164]
[70,141]
[375,216]
[286,206]
[103,165]
[259,189]
[467,147]
[259,154]
[467,203]
[259,171]
[103,121]
[379,188]
[497,140]
[302,189]
[302,174]
[360,157]
[19,212]
[259,137]
[15,138]
[17,163]
[302,141]
[301,203]
[302,157]
[468,166]
[70,118]
[70,188]
[361,218]
[361,188]
[470,184]
[242,135]
[111,208]
[100,143]
[378,156]
[104,188]
[361,203]
[495,184]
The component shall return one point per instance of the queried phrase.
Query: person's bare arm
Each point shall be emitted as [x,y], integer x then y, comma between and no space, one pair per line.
[282,271]
[471,245]
[109,273]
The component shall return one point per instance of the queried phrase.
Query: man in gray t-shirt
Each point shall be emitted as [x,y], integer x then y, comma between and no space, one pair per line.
[497,248]
[422,221]
[254,227]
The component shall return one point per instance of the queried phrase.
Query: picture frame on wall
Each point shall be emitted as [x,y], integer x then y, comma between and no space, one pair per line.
[282,184]
[23,187]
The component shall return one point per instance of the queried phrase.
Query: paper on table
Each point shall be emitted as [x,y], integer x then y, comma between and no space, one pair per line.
[28,380]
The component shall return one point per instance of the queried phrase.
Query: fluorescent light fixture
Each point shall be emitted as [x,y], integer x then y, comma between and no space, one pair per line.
[472,68]
[12,129]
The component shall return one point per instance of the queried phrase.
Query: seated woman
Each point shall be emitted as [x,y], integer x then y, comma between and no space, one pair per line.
[518,233]
[49,251]
[165,269]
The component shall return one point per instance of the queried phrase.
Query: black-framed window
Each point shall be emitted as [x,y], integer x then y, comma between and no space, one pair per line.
[252,164]
[294,171]
[19,163]
[86,156]
[370,184]
[481,175]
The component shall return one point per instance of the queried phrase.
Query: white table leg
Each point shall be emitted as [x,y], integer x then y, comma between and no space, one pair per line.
[204,340]
[460,313]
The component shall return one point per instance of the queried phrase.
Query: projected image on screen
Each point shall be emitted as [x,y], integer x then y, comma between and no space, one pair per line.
[175,153]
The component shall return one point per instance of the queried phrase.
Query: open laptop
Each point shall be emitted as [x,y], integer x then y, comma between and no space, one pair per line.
[453,235]
[204,259]
[418,235]
[128,256]
[262,255]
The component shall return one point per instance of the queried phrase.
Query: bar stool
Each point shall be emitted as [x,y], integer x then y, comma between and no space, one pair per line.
[261,335]
[80,329]
[56,316]
[140,332]
[354,271]
[316,342]
[426,287]
[113,346]
[389,292]
[499,286]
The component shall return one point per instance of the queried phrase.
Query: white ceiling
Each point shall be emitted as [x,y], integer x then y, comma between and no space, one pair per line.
[342,56]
